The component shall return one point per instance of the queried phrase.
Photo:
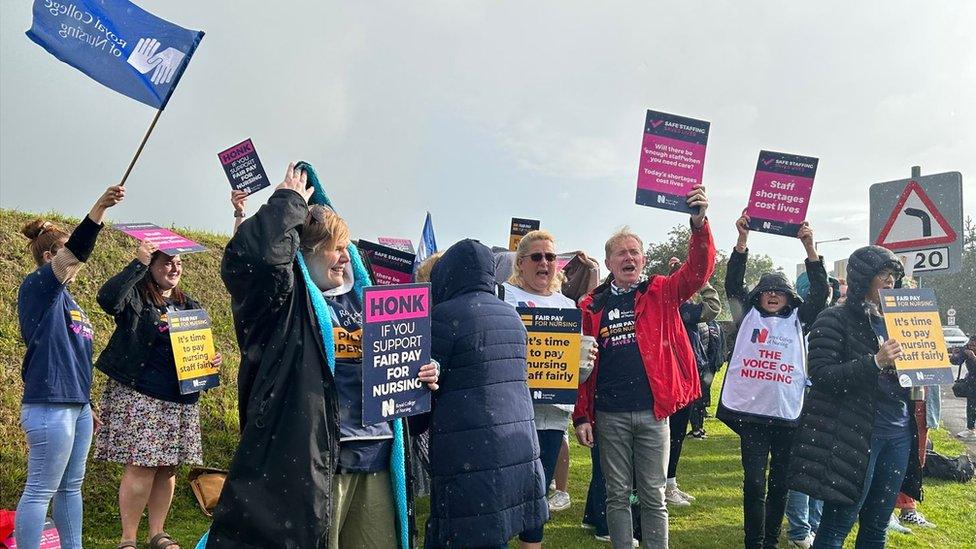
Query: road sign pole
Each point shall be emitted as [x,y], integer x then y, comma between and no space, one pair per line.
[916,172]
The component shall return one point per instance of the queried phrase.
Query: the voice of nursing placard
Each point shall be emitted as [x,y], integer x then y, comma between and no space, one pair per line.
[672,160]
[193,350]
[912,318]
[396,343]
[781,192]
[553,353]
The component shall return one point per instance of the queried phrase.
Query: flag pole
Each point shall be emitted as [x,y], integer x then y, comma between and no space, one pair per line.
[141,146]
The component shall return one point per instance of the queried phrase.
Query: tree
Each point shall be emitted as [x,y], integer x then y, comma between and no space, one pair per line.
[958,291]
[676,245]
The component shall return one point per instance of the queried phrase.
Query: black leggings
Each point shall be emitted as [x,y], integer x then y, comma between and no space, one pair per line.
[971,412]
[679,428]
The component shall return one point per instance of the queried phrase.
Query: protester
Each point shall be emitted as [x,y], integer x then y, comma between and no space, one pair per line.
[966,356]
[535,282]
[692,314]
[487,483]
[55,413]
[150,426]
[857,440]
[765,384]
[238,199]
[645,372]
[925,411]
[420,443]
[289,270]
[712,339]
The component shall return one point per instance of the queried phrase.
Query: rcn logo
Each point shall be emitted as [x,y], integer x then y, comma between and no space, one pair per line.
[661,199]
[164,64]
[388,407]
[760,335]
[613,314]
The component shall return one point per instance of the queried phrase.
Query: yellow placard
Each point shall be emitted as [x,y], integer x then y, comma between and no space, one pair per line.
[554,360]
[920,336]
[193,351]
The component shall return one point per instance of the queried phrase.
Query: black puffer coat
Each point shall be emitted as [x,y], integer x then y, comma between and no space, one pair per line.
[831,446]
[487,483]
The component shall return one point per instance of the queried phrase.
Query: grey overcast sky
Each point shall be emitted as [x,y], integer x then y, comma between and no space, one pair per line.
[481,111]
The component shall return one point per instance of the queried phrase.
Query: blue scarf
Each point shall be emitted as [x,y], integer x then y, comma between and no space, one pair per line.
[398,475]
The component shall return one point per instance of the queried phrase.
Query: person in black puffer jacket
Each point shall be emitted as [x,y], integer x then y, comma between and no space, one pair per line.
[487,483]
[857,440]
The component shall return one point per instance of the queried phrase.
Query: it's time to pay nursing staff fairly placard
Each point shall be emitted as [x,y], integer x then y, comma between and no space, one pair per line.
[912,318]
[193,350]
[396,343]
[553,353]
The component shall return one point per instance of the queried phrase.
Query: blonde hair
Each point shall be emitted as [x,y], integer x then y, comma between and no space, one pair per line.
[44,236]
[522,250]
[323,226]
[425,268]
[623,233]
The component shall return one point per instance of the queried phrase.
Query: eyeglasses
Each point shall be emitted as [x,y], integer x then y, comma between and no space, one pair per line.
[885,275]
[537,257]
[773,293]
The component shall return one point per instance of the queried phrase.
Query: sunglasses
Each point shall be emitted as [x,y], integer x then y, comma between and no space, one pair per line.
[537,257]
[773,293]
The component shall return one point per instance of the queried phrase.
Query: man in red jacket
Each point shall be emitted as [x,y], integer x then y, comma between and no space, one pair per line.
[645,372]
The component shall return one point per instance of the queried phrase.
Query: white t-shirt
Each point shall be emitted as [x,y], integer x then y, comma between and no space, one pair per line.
[547,416]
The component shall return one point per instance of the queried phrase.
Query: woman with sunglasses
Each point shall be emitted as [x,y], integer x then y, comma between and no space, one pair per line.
[857,445]
[535,282]
[762,395]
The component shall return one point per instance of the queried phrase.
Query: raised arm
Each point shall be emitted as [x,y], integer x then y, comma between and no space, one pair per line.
[817,275]
[80,244]
[257,263]
[120,290]
[711,304]
[695,272]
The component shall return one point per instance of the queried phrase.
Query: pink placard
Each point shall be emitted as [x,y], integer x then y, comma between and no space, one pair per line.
[394,304]
[166,240]
[781,192]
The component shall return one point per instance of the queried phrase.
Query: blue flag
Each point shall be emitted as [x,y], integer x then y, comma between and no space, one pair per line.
[427,245]
[118,44]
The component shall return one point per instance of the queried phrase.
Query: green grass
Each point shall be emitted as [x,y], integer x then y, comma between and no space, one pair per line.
[709,469]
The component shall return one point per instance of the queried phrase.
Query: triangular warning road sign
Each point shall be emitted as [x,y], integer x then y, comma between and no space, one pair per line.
[915,222]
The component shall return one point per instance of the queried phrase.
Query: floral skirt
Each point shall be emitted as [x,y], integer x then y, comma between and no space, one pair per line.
[145,431]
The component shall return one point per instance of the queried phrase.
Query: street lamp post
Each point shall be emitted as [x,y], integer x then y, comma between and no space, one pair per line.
[819,242]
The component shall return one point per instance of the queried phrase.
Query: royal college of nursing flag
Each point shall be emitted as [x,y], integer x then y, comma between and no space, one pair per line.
[117,44]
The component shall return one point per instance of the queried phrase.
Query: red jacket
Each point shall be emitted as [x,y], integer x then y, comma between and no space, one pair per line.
[661,337]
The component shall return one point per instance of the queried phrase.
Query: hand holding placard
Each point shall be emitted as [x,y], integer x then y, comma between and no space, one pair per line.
[888,353]
[698,202]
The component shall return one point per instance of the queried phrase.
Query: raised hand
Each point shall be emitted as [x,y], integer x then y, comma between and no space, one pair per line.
[805,234]
[144,252]
[112,196]
[697,198]
[296,180]
[238,199]
[742,227]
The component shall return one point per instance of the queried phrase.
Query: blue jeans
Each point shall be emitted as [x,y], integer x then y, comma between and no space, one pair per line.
[887,463]
[58,436]
[802,514]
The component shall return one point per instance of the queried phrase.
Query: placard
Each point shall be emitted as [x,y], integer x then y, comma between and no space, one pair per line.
[243,167]
[780,192]
[193,349]
[388,265]
[519,228]
[912,318]
[553,353]
[166,240]
[402,244]
[672,161]
[396,343]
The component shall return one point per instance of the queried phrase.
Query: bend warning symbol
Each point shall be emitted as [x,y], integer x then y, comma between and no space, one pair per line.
[915,222]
